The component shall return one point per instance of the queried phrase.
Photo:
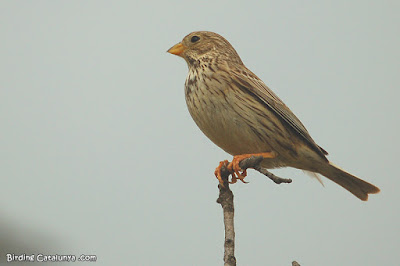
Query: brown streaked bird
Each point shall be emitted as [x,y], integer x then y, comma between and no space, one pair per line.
[240,114]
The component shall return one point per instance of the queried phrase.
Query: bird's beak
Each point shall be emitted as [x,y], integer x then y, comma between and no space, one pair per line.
[177,49]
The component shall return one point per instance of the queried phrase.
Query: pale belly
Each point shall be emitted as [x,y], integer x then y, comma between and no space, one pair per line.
[239,124]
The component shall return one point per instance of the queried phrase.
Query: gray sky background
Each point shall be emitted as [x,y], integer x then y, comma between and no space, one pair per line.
[99,154]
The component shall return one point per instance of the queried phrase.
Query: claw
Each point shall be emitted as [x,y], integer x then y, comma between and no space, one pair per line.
[235,169]
[234,179]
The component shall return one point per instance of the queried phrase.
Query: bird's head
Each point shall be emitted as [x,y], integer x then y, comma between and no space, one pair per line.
[202,45]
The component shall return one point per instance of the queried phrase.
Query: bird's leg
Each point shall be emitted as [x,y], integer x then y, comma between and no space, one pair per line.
[234,167]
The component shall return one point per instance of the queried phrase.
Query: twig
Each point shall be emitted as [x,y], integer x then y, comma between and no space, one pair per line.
[226,200]
[276,179]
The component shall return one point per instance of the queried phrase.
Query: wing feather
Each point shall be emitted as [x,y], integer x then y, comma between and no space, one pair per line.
[249,81]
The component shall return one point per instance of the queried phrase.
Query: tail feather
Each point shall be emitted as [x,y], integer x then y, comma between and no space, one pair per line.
[354,185]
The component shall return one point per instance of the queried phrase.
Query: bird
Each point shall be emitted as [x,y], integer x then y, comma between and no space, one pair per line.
[239,113]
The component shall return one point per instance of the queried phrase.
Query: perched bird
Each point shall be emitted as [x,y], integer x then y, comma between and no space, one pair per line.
[240,114]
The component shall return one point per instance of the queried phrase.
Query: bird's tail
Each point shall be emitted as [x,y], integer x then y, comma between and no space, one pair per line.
[356,186]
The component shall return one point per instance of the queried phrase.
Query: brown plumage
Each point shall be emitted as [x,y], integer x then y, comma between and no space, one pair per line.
[240,114]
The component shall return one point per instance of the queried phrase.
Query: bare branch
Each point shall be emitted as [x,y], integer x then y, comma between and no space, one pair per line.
[226,200]
[276,179]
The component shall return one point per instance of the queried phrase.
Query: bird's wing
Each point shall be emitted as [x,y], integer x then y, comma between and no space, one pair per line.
[251,83]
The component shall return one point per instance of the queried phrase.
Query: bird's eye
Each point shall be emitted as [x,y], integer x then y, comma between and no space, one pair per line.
[195,38]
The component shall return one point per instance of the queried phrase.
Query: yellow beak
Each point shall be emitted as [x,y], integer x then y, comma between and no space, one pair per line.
[177,49]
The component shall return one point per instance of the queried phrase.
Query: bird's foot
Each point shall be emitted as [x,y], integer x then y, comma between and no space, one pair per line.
[235,174]
[234,168]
